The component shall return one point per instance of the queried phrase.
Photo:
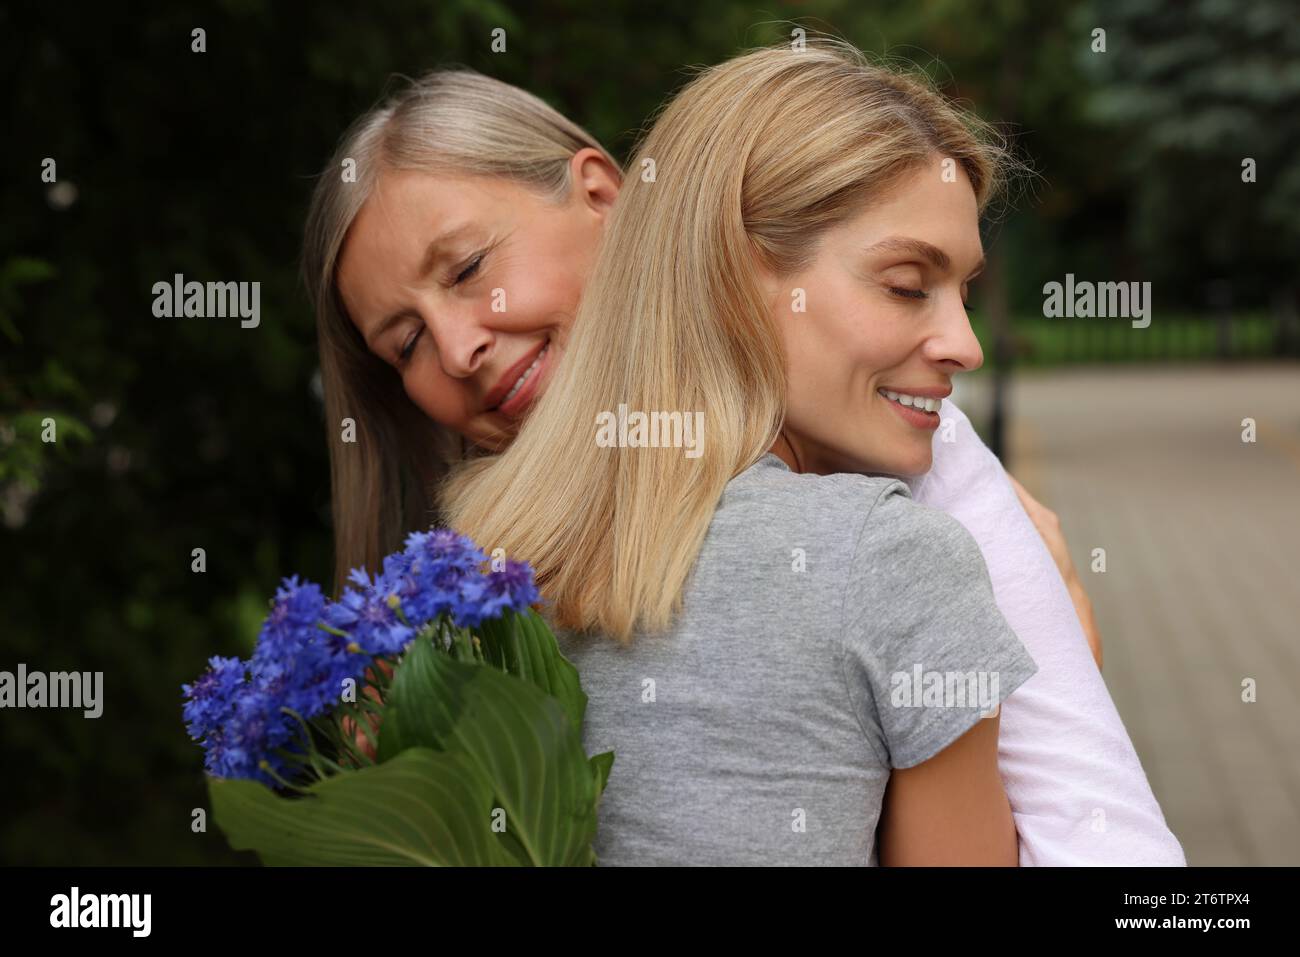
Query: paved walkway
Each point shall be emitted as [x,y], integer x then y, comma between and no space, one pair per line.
[1202,585]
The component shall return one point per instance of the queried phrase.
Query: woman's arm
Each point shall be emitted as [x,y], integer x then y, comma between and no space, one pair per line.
[950,810]
[1077,789]
[944,801]
[1048,525]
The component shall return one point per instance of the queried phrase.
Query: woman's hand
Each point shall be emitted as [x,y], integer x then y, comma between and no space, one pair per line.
[350,728]
[1049,527]
[359,737]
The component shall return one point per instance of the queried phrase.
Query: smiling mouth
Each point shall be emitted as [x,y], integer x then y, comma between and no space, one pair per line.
[523,379]
[919,403]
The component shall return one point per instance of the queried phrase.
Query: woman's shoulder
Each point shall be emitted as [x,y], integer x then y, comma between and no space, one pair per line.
[770,493]
[904,540]
[873,515]
[770,476]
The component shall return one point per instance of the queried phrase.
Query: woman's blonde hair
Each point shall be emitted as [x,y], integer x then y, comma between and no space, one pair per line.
[450,121]
[757,156]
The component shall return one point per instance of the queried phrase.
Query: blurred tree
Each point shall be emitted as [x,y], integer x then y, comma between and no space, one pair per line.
[1200,91]
[45,431]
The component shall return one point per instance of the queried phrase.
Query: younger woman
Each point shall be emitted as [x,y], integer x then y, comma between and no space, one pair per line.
[768,651]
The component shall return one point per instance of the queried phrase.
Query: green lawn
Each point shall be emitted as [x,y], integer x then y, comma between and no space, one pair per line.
[1042,341]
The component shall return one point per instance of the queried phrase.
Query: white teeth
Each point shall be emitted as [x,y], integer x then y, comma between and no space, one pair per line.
[912,401]
[523,378]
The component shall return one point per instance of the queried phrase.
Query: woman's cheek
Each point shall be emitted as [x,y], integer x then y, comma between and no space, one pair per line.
[433,393]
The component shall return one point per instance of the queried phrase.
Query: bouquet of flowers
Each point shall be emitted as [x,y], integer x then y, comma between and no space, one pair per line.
[426,717]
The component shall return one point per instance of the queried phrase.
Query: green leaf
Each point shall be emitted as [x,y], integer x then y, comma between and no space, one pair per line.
[22,270]
[523,645]
[517,737]
[411,718]
[601,765]
[19,271]
[423,807]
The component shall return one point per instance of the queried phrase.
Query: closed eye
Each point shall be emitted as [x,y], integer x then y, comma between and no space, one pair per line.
[410,344]
[909,293]
[469,270]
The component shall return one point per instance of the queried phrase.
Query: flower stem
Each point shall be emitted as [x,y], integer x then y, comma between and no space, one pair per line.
[265,765]
[312,754]
[343,744]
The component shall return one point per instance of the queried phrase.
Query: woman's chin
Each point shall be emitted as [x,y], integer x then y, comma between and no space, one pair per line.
[909,464]
[895,462]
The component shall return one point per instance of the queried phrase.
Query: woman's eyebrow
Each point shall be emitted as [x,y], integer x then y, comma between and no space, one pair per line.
[918,247]
[435,246]
[383,326]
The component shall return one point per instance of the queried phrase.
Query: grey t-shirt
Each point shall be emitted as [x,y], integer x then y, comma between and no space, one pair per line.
[832,629]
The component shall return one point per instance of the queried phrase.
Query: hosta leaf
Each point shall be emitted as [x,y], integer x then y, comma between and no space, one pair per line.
[524,646]
[516,736]
[422,807]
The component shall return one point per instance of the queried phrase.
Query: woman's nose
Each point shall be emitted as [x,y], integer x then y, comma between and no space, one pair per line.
[956,341]
[462,342]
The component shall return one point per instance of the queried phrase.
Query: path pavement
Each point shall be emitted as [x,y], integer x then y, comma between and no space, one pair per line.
[1202,583]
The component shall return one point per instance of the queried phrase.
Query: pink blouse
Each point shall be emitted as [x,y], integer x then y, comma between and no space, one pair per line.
[1077,790]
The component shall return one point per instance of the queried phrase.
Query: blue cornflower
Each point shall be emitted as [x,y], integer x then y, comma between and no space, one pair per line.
[445,546]
[239,721]
[211,699]
[312,679]
[368,616]
[299,663]
[297,606]
[439,571]
[512,587]
[251,734]
[296,665]
[491,595]
[308,646]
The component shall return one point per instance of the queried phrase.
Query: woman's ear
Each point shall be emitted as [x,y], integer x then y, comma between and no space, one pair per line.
[769,284]
[595,180]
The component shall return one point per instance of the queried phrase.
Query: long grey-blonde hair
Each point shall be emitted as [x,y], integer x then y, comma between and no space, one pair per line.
[449,121]
[752,162]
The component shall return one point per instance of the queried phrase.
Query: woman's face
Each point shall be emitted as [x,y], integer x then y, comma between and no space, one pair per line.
[467,285]
[885,315]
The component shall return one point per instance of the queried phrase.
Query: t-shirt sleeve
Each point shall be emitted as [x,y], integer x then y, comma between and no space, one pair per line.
[926,651]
